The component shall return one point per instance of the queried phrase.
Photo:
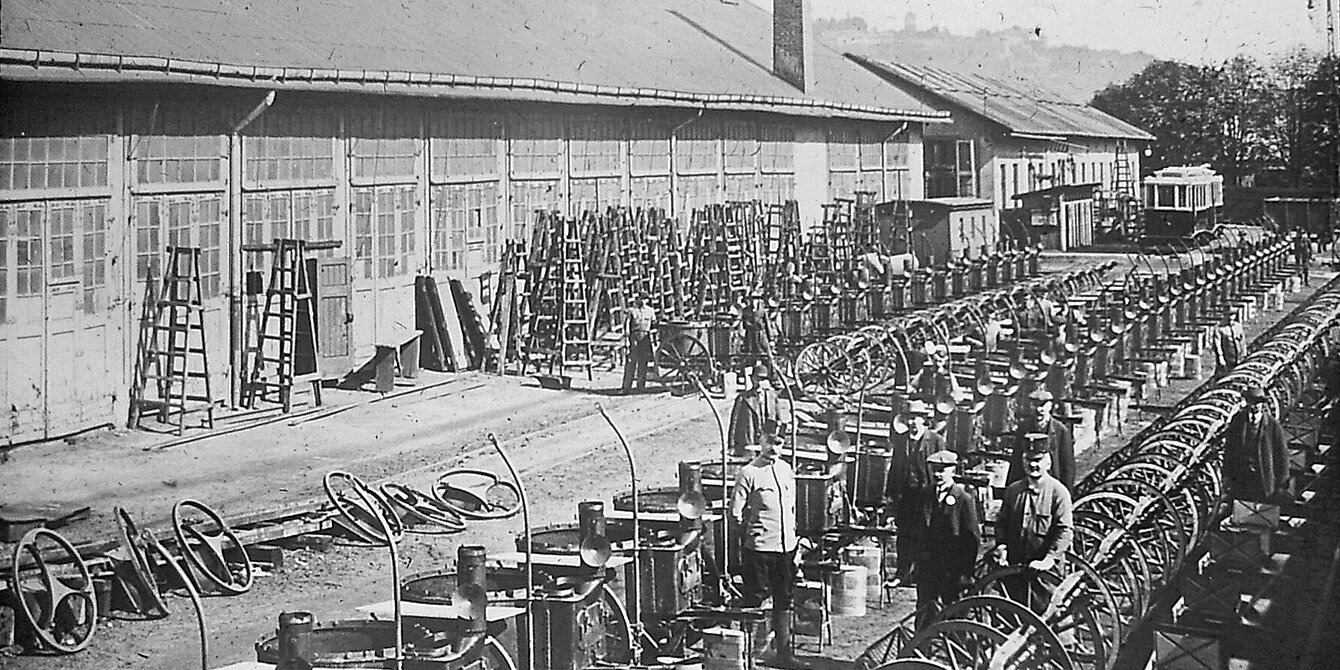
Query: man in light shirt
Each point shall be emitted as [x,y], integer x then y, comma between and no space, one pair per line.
[763,512]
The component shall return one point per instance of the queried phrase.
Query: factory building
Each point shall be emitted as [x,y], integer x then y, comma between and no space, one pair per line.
[1009,139]
[413,140]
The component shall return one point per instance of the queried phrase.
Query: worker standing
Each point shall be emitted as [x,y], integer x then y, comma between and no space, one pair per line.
[756,346]
[1229,344]
[755,405]
[1256,452]
[909,478]
[1302,255]
[641,324]
[953,536]
[1036,524]
[1055,435]
[763,511]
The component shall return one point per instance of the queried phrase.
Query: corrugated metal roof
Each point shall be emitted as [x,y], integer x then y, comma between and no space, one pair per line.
[690,50]
[1019,107]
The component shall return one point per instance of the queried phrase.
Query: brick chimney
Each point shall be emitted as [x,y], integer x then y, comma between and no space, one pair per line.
[793,43]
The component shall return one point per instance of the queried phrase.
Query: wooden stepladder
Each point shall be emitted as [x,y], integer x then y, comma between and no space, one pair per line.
[287,329]
[173,360]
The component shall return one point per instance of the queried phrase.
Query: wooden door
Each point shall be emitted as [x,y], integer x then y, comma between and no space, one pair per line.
[22,332]
[334,315]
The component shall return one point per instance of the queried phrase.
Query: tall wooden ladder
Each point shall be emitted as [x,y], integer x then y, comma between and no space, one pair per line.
[1127,193]
[290,314]
[173,358]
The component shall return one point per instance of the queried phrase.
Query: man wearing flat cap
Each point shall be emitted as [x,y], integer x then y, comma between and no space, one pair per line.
[1256,453]
[1040,424]
[1229,344]
[1036,525]
[944,567]
[909,477]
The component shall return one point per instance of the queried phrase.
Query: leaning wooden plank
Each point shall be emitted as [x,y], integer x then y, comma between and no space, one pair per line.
[473,323]
[449,348]
[452,322]
[431,353]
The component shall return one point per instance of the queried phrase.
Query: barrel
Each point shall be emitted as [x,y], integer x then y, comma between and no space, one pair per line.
[724,649]
[848,587]
[1191,366]
[868,557]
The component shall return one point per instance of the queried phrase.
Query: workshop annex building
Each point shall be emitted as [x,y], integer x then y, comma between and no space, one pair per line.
[419,136]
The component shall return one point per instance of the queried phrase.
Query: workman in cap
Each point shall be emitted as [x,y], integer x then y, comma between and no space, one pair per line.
[935,378]
[1302,254]
[1060,443]
[944,568]
[763,512]
[909,479]
[756,345]
[755,405]
[641,325]
[1256,453]
[1036,525]
[1229,344]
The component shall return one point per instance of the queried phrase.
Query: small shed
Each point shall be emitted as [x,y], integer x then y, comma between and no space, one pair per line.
[1061,217]
[1315,216]
[944,228]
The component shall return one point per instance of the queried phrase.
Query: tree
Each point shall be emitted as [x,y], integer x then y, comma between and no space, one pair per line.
[1168,99]
[1319,126]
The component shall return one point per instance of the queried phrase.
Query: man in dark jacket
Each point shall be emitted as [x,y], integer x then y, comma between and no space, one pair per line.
[944,568]
[1060,443]
[1256,452]
[909,478]
[1036,525]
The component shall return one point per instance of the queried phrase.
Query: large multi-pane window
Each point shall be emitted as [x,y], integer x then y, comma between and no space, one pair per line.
[56,242]
[290,147]
[648,148]
[28,251]
[465,216]
[464,145]
[60,223]
[897,171]
[177,145]
[188,220]
[537,147]
[950,169]
[697,148]
[35,163]
[529,197]
[385,145]
[384,232]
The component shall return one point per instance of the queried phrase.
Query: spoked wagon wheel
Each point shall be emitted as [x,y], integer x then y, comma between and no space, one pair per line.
[682,360]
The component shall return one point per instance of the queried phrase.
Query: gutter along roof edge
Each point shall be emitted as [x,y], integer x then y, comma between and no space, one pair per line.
[35,65]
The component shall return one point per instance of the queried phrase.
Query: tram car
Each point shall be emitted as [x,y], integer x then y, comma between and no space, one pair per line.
[1180,202]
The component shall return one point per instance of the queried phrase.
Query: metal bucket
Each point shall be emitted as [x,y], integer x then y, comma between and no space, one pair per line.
[848,587]
[868,557]
[811,503]
[724,649]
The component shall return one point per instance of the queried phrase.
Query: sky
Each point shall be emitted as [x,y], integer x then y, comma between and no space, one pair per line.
[1195,31]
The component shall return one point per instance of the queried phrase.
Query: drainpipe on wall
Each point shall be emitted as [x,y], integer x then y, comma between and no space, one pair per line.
[237,284]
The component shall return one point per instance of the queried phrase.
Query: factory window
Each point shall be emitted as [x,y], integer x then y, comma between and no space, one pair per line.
[777,188]
[385,215]
[694,193]
[739,147]
[179,146]
[595,195]
[777,148]
[464,215]
[28,257]
[290,147]
[843,184]
[741,187]
[265,217]
[60,222]
[536,147]
[148,240]
[406,207]
[362,211]
[871,149]
[897,174]
[649,147]
[35,163]
[465,146]
[526,199]
[648,192]
[314,217]
[184,221]
[844,149]
[385,145]
[697,148]
[596,146]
